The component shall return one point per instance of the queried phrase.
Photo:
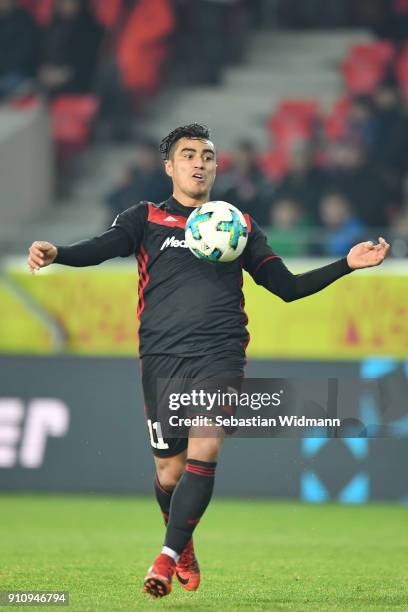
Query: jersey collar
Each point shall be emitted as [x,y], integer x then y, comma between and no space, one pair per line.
[174,206]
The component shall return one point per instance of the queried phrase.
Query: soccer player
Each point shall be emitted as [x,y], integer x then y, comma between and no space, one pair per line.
[192,326]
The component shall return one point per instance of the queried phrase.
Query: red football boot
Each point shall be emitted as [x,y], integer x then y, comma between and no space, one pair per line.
[187,569]
[158,579]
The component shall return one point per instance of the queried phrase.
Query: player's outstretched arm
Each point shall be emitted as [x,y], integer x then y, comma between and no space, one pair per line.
[274,275]
[115,242]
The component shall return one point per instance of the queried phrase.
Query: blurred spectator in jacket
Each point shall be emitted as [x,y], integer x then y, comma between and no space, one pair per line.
[244,185]
[342,224]
[360,128]
[399,232]
[303,182]
[210,34]
[349,172]
[390,129]
[289,232]
[70,51]
[143,180]
[18,46]
[211,56]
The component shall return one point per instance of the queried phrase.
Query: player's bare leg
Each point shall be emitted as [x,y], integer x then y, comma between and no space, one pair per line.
[188,503]
[169,470]
[202,447]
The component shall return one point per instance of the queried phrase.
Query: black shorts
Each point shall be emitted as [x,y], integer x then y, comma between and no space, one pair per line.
[205,372]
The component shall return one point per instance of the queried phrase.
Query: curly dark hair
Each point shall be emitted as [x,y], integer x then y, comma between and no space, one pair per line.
[194,130]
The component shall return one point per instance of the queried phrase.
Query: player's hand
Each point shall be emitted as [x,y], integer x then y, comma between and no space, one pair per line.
[367,254]
[41,254]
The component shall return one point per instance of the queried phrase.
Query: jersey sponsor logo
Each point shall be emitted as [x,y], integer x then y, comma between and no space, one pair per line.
[172,241]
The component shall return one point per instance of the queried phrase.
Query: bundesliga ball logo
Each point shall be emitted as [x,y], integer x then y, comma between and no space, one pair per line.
[216,232]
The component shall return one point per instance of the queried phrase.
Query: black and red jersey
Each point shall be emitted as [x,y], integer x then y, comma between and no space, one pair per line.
[187,306]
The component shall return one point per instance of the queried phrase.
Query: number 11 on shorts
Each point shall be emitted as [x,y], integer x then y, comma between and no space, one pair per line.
[156,431]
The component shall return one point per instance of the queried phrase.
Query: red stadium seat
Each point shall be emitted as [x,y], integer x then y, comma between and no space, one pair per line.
[286,131]
[82,107]
[381,52]
[70,131]
[274,164]
[71,118]
[362,77]
[307,110]
[294,120]
[25,102]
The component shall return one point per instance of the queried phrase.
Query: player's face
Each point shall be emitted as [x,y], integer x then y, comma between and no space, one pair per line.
[192,167]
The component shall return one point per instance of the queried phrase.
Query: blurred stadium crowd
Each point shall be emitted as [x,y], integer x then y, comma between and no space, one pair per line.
[116,49]
[340,173]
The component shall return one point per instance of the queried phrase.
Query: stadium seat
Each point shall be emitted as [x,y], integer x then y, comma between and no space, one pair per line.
[70,131]
[381,52]
[25,102]
[362,76]
[274,164]
[82,107]
[286,131]
[307,110]
[294,120]
[71,118]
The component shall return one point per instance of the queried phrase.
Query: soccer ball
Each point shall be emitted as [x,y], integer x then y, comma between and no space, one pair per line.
[216,232]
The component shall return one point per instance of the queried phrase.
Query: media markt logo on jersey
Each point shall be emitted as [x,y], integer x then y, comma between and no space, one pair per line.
[172,241]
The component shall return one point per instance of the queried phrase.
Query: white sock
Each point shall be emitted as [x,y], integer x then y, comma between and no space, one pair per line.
[170,553]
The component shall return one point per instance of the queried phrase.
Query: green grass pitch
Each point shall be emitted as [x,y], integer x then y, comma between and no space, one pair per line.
[254,555]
